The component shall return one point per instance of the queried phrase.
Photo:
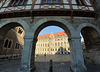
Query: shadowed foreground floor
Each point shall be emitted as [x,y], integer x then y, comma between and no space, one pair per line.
[61,63]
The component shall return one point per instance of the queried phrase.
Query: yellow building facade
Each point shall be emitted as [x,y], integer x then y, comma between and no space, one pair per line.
[54,43]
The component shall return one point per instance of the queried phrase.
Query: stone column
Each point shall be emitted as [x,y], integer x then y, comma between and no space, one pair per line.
[33,55]
[25,65]
[77,60]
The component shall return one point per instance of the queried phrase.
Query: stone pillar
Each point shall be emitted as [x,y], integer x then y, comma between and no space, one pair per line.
[77,60]
[33,55]
[25,65]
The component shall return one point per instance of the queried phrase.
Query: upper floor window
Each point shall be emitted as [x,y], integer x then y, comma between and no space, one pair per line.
[18,2]
[21,1]
[25,2]
[54,1]
[51,1]
[80,2]
[20,31]
[7,43]
[17,46]
[12,2]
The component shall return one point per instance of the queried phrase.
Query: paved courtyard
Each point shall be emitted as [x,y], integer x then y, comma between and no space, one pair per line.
[61,63]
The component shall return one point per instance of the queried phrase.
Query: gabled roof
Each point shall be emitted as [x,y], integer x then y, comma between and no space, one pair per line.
[55,35]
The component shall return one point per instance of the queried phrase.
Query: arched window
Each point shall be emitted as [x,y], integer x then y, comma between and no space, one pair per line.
[6,43]
[9,45]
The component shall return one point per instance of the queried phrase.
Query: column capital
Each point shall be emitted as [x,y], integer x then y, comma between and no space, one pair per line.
[28,37]
[74,38]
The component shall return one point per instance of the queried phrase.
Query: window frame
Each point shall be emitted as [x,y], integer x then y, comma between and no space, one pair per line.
[18,4]
[5,42]
[46,2]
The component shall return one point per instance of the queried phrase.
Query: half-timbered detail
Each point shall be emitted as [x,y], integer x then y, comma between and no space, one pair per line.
[20,8]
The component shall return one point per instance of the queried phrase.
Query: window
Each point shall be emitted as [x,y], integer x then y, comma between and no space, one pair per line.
[55,44]
[59,1]
[16,2]
[63,38]
[9,45]
[20,31]
[54,1]
[55,49]
[58,44]
[6,43]
[67,43]
[48,44]
[21,1]
[12,2]
[43,45]
[25,2]
[64,43]
[51,1]
[43,1]
[17,46]
[61,43]
[80,2]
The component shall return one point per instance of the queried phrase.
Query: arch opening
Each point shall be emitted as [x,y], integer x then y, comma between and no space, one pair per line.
[51,46]
[91,47]
[11,42]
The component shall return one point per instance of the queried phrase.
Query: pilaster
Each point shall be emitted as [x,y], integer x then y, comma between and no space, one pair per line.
[77,60]
[25,65]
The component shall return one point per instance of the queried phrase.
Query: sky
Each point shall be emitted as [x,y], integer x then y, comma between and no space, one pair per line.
[50,29]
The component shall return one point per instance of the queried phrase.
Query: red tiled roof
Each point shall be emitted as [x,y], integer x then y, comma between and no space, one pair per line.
[55,35]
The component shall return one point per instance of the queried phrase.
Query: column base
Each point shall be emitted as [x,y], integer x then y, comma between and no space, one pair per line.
[25,69]
[78,68]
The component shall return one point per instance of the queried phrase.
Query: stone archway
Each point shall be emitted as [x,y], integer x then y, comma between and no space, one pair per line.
[71,34]
[91,37]
[45,24]
[6,25]
[30,39]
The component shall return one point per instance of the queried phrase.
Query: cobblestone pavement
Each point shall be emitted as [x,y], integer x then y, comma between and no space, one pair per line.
[9,65]
[61,63]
